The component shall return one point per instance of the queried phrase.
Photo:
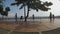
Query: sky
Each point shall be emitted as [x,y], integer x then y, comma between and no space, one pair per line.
[55,9]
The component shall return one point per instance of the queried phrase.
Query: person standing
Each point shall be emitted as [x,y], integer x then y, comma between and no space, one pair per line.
[16,17]
[50,17]
[33,17]
[53,17]
[21,18]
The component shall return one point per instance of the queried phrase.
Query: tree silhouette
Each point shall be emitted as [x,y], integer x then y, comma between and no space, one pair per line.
[2,12]
[32,4]
[5,13]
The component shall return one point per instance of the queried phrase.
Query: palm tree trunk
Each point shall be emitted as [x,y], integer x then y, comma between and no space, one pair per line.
[27,13]
[27,16]
[24,13]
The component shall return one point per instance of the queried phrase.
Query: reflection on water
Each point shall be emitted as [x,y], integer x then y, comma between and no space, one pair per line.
[27,19]
[57,19]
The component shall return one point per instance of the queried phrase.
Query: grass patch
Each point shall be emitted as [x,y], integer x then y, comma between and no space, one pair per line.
[15,32]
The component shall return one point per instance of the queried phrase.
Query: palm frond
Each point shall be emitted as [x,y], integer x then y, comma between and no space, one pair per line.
[48,3]
[13,4]
[22,6]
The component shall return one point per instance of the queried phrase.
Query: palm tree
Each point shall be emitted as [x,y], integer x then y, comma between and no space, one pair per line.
[36,5]
[23,2]
[32,4]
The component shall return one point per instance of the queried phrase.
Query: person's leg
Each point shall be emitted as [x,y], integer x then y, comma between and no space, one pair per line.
[16,21]
[50,20]
[53,20]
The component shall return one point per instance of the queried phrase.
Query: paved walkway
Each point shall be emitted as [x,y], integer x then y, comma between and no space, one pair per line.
[36,26]
[39,26]
[43,25]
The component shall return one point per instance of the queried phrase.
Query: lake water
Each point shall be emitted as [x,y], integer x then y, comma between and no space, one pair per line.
[57,19]
[22,20]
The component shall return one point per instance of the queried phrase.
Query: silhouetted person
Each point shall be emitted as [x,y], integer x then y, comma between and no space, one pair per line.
[53,17]
[33,17]
[21,18]
[50,17]
[16,17]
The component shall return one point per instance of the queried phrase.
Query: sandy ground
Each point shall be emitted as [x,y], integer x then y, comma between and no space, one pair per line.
[30,26]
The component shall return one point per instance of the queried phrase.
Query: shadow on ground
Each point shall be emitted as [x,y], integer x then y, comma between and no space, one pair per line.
[55,31]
